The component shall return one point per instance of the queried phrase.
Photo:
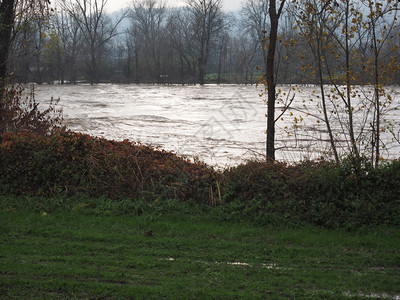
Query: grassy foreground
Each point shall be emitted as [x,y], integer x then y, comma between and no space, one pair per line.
[87,254]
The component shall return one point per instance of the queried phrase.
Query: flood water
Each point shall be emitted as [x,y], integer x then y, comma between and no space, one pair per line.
[220,124]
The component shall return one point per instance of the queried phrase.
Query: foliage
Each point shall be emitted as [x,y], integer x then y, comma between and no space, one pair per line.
[77,163]
[322,193]
[20,112]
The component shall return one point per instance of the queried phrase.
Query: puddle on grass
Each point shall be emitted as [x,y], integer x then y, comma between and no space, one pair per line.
[372,295]
[270,266]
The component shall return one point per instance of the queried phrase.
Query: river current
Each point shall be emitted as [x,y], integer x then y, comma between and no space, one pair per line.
[219,124]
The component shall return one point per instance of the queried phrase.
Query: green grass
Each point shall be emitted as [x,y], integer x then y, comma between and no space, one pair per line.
[82,253]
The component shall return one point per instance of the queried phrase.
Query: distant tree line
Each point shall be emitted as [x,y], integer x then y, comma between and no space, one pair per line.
[152,43]
[349,49]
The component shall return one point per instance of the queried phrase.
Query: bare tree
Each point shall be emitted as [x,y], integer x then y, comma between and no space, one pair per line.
[181,38]
[208,22]
[381,32]
[312,19]
[71,38]
[255,20]
[134,44]
[222,53]
[148,21]
[96,27]
[246,56]
[354,52]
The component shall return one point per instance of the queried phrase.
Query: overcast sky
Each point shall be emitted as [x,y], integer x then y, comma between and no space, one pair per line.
[228,5]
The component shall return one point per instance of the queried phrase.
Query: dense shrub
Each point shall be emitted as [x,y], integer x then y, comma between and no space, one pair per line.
[321,193]
[77,163]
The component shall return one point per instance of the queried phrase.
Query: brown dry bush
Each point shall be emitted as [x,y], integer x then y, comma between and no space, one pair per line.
[19,112]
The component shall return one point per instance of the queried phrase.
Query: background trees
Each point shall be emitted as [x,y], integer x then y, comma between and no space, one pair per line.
[349,48]
[147,31]
[196,43]
[96,27]
[181,41]
[207,23]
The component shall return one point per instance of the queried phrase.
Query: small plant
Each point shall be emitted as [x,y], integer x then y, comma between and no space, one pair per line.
[20,112]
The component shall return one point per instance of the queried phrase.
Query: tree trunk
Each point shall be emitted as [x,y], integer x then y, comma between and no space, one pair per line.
[377,98]
[182,69]
[323,98]
[353,142]
[128,70]
[270,76]
[202,65]
[6,25]
[201,73]
[219,66]
[93,66]
[137,77]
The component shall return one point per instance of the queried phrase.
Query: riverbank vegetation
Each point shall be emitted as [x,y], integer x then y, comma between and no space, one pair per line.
[323,193]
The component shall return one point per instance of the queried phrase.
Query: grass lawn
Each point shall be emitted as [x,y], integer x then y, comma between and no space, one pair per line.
[81,254]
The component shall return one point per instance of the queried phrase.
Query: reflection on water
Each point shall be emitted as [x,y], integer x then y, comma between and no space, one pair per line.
[220,124]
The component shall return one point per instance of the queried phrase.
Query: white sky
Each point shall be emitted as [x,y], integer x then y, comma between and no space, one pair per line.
[228,5]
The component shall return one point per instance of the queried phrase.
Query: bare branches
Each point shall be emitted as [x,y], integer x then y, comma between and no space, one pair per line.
[208,22]
[97,28]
